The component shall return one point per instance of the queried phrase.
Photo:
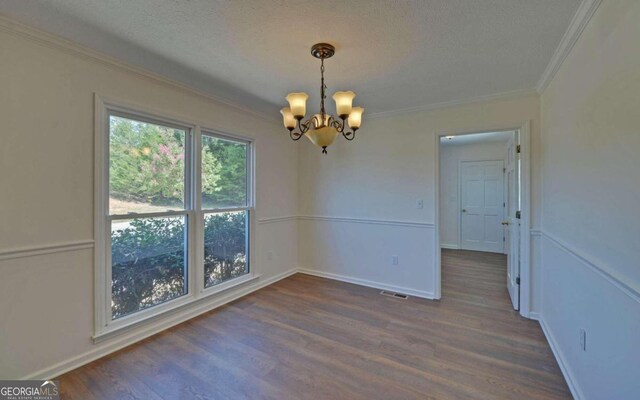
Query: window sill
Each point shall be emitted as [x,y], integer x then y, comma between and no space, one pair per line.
[169,310]
[221,287]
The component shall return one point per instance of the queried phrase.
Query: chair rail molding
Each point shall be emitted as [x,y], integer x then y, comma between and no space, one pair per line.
[33,251]
[411,224]
[274,220]
[597,266]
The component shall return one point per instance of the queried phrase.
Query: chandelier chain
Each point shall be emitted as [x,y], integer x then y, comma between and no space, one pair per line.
[322,94]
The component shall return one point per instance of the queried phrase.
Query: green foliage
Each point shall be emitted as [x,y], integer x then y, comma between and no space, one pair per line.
[146,162]
[225,166]
[148,258]
[147,165]
[148,264]
[225,247]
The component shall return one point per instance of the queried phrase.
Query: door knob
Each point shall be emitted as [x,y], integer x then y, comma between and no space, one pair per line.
[464,210]
[505,222]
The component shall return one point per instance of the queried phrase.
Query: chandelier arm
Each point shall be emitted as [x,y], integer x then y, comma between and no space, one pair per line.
[350,135]
[303,127]
[338,125]
[295,135]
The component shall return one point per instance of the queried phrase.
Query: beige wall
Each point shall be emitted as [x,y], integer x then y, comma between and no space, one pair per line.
[591,194]
[46,190]
[592,140]
[380,176]
[391,162]
[586,146]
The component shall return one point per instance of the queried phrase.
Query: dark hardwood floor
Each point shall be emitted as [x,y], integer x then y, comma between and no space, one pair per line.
[312,338]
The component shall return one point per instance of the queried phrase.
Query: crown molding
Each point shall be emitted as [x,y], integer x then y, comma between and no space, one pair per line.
[455,103]
[16,28]
[580,20]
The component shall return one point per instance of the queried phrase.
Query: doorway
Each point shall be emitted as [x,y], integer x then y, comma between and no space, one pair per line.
[482,204]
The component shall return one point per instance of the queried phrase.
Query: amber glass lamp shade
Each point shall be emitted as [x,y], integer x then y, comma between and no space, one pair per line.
[344,102]
[287,118]
[355,118]
[298,104]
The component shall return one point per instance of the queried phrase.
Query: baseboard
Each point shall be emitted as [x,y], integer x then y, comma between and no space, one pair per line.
[568,376]
[371,284]
[449,246]
[534,315]
[133,337]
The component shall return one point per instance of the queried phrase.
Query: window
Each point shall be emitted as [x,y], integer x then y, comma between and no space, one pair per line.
[174,223]
[225,208]
[147,175]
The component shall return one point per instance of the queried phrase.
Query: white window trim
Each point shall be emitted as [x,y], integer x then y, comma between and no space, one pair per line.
[104,326]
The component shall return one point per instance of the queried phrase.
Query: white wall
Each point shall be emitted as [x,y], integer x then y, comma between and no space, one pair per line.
[358,204]
[362,195]
[591,223]
[46,193]
[450,157]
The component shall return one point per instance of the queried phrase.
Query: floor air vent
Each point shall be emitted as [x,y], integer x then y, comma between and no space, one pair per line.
[394,294]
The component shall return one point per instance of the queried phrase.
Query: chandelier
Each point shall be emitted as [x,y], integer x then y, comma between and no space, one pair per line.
[322,129]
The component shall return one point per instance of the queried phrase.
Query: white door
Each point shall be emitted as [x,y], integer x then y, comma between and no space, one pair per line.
[512,223]
[482,204]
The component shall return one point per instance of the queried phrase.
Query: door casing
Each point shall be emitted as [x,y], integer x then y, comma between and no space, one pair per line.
[525,186]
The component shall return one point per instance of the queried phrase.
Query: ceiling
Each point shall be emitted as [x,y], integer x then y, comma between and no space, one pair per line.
[487,137]
[396,54]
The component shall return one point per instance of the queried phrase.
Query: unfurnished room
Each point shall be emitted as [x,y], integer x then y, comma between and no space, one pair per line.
[305,199]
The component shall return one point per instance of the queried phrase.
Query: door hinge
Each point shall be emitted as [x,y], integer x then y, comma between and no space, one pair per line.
[504,204]
[517,214]
[517,280]
[518,149]
[504,170]
[504,239]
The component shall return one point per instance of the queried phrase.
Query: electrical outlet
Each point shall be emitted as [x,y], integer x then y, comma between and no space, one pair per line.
[420,204]
[583,340]
[394,260]
[270,255]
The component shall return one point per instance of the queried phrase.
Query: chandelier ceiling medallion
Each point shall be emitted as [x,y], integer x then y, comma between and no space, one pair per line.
[322,128]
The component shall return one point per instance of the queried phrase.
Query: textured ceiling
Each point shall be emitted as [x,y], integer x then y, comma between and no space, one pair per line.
[394,54]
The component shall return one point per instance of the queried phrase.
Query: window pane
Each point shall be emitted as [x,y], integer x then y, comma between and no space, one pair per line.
[148,261]
[224,173]
[146,167]
[225,246]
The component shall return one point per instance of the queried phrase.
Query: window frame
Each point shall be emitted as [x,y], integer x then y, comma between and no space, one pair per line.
[104,325]
[202,212]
